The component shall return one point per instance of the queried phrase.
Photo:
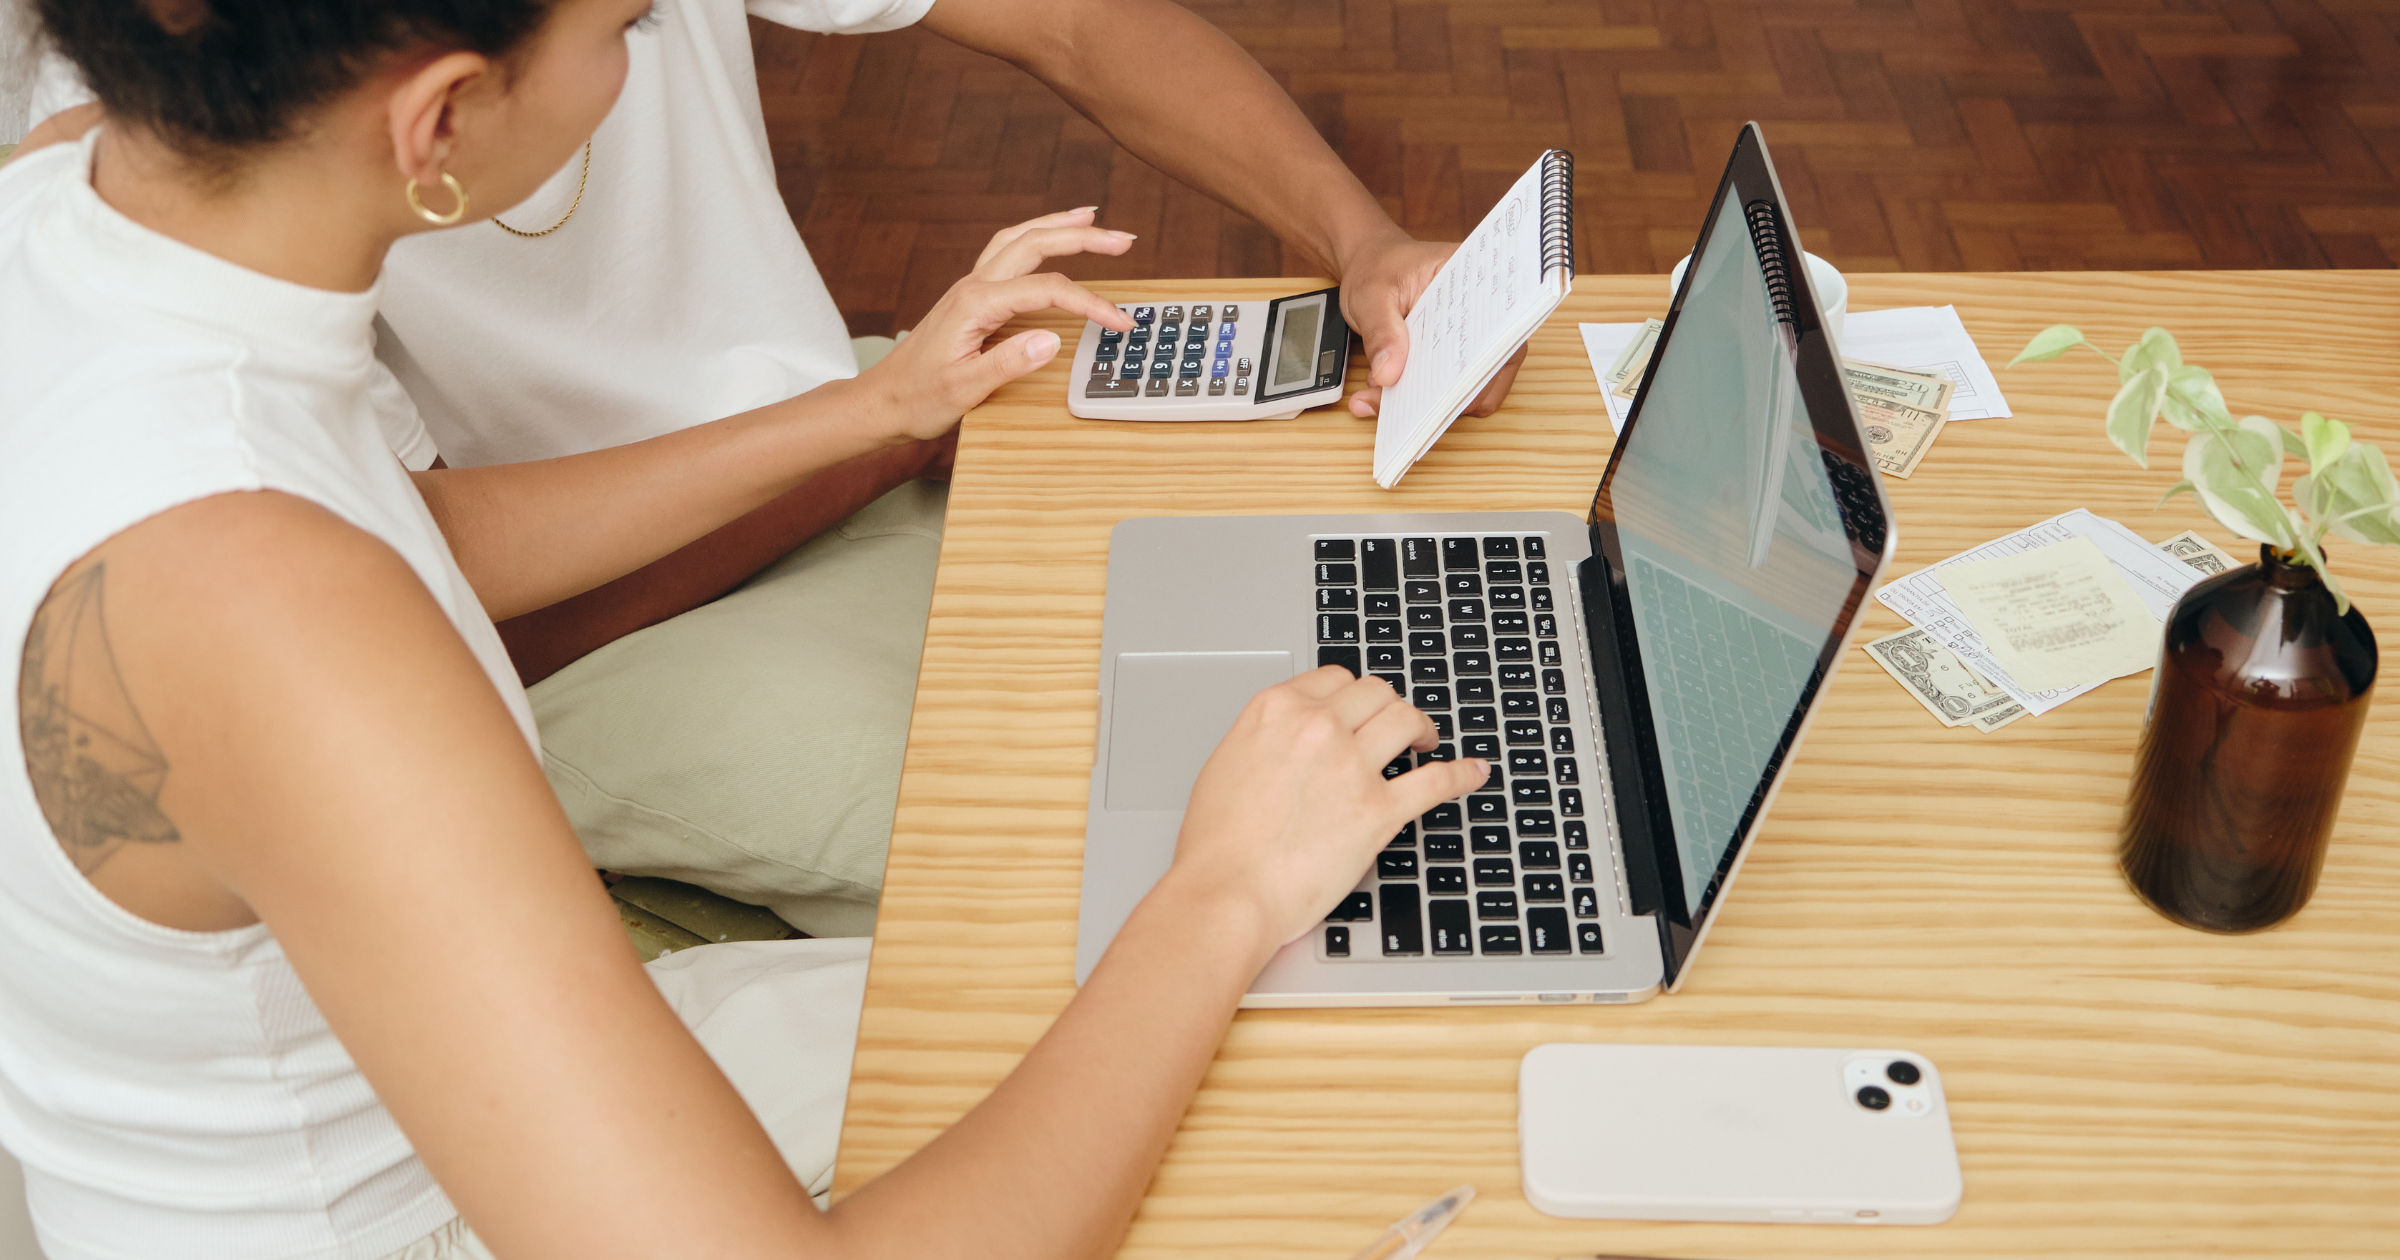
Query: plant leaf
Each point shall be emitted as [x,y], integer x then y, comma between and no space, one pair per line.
[2157,346]
[2234,469]
[2191,395]
[2362,501]
[2324,440]
[2049,343]
[2180,487]
[2341,598]
[2131,412]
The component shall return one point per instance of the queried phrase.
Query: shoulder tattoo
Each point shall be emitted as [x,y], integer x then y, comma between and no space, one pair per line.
[96,770]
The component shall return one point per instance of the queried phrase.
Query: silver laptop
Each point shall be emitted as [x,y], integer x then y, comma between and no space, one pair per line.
[1638,678]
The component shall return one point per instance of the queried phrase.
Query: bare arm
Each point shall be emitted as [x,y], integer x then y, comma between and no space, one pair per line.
[328,743]
[1189,101]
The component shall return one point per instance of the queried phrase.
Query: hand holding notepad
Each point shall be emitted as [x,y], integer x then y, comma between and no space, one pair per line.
[1505,279]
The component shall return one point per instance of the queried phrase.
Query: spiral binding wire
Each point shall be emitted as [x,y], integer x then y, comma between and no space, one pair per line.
[1558,211]
[1766,236]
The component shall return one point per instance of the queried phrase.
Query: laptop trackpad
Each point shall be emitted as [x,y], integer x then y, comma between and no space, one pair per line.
[1169,711]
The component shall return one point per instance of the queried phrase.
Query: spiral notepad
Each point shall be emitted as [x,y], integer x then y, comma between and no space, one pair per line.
[1505,279]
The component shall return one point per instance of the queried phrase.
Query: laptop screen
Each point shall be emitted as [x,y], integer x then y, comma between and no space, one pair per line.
[1735,565]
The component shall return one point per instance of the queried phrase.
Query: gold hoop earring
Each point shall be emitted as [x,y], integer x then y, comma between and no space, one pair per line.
[457,191]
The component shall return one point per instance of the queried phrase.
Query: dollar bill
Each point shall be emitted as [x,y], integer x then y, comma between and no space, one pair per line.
[1913,389]
[1625,375]
[2197,552]
[1898,435]
[1950,691]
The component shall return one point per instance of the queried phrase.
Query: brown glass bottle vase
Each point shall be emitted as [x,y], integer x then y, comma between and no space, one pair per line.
[2261,692]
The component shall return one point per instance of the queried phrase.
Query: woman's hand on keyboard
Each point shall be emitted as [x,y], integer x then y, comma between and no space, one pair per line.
[942,370]
[1293,804]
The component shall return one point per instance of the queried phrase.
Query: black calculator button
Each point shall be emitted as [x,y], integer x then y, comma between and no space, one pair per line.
[1160,369]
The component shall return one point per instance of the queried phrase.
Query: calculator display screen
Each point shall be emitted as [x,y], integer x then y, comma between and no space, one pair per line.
[1296,343]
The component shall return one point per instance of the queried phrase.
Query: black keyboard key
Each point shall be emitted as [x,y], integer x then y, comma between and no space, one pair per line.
[1418,558]
[1486,840]
[1537,573]
[1528,761]
[1421,592]
[1472,662]
[1567,773]
[1441,725]
[1462,584]
[1403,929]
[1527,792]
[1502,938]
[1545,625]
[1337,942]
[1506,597]
[1520,676]
[1396,864]
[1587,938]
[1440,847]
[1538,855]
[1385,656]
[1475,691]
[1459,553]
[1509,623]
[1533,547]
[1453,931]
[1383,604]
[1336,654]
[1550,655]
[1439,752]
[1491,779]
[1398,766]
[1430,698]
[1468,636]
[1562,740]
[1426,643]
[1483,746]
[1508,649]
[1397,682]
[1499,546]
[1546,931]
[1447,879]
[1542,888]
[1579,868]
[1478,720]
[1495,872]
[1425,617]
[1554,682]
[1496,905]
[1541,599]
[1487,809]
[1570,802]
[1466,610]
[1336,549]
[1524,733]
[1337,599]
[1337,628]
[1536,822]
[1556,710]
[1407,839]
[1383,632]
[1520,704]
[1358,907]
[1442,817]
[1379,559]
[1503,571]
[1429,669]
[1587,903]
[1574,835]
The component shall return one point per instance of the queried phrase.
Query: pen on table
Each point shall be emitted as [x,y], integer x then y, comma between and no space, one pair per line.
[1412,1232]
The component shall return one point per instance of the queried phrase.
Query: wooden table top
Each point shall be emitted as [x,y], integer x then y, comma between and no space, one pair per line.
[2118,1084]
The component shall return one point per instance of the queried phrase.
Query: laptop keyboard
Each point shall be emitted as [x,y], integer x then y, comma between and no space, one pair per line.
[1467,627]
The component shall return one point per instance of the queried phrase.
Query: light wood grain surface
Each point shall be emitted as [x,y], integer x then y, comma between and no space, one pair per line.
[2119,1085]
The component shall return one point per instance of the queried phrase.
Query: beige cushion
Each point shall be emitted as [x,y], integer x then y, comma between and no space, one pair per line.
[752,746]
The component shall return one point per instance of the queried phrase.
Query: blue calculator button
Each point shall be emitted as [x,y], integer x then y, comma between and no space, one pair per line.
[1221,370]
[1142,314]
[1225,332]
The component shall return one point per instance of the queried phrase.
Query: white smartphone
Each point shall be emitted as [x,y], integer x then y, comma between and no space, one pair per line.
[1736,1133]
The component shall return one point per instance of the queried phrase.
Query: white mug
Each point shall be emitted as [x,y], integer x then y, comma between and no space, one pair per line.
[1833,292]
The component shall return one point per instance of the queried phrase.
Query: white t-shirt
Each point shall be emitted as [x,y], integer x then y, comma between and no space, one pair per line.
[678,293]
[176,1093]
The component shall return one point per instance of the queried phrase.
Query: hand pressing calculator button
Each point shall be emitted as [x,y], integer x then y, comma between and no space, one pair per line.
[1214,361]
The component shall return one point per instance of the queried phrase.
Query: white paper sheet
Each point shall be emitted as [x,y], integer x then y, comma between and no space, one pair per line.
[1927,339]
[1604,342]
[2159,579]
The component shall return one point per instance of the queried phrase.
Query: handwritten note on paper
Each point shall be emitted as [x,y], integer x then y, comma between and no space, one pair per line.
[2056,617]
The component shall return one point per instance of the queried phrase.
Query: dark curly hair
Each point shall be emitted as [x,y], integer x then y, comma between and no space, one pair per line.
[217,79]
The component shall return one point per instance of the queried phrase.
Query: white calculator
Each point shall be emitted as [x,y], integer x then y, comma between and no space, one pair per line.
[1214,360]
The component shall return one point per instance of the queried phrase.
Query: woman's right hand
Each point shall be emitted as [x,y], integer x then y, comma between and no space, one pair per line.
[942,369]
[1293,805]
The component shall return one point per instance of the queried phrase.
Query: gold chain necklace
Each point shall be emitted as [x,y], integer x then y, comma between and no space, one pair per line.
[580,181]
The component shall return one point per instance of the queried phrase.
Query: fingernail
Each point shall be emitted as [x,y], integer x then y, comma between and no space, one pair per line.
[1081,209]
[1041,345]
[1123,235]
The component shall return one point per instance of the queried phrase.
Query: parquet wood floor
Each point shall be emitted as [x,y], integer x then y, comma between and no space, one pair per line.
[1917,135]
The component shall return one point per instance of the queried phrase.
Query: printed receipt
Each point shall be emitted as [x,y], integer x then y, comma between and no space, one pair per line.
[2056,617]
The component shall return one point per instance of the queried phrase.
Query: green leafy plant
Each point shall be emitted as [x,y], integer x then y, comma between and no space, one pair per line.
[2234,466]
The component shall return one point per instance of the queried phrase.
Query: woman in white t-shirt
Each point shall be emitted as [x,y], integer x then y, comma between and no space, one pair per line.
[260,705]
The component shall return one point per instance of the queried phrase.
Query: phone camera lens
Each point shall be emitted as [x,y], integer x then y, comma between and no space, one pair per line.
[1873,1098]
[1903,1072]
